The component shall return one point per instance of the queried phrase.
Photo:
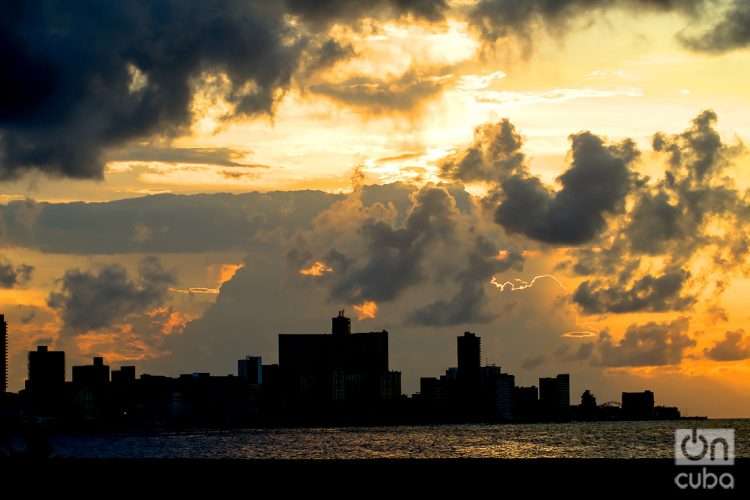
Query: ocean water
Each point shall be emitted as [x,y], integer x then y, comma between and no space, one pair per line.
[572,440]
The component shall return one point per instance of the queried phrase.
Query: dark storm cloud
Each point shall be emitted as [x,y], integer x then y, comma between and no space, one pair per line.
[654,220]
[394,257]
[651,344]
[731,32]
[160,223]
[649,293]
[326,11]
[181,223]
[373,95]
[734,346]
[12,276]
[594,185]
[81,77]
[224,157]
[467,305]
[496,19]
[693,208]
[495,153]
[92,300]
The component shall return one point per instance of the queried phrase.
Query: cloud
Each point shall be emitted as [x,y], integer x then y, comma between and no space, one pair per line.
[583,352]
[500,19]
[224,157]
[12,276]
[327,11]
[595,184]
[394,257]
[64,101]
[159,223]
[95,300]
[693,211]
[533,362]
[731,32]
[403,93]
[495,153]
[734,346]
[650,344]
[468,305]
[650,293]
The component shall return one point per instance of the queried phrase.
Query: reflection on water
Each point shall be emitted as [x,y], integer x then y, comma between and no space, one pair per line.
[574,440]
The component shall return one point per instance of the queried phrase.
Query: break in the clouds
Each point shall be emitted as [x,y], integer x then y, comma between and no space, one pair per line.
[97,299]
[12,276]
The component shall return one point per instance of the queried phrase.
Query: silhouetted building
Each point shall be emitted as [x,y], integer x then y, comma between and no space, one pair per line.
[46,380]
[525,403]
[250,369]
[667,413]
[638,405]
[431,388]
[497,393]
[390,386]
[342,366]
[3,354]
[341,325]
[93,375]
[554,397]
[270,375]
[469,352]
[125,375]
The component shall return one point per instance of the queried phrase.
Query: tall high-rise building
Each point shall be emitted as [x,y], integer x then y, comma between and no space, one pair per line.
[46,381]
[3,354]
[554,396]
[525,403]
[563,394]
[469,358]
[250,369]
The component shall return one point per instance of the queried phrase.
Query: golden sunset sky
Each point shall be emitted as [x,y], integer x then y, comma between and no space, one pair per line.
[401,100]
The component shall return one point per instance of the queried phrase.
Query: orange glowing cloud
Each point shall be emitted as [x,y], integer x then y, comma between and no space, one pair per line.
[366,310]
[318,268]
[227,272]
[502,255]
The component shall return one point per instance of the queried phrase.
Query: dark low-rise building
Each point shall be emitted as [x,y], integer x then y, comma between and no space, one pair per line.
[638,405]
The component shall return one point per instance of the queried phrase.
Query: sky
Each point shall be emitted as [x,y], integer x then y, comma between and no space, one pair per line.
[181,182]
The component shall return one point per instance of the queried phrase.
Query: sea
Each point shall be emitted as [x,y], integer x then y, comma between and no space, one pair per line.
[644,439]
